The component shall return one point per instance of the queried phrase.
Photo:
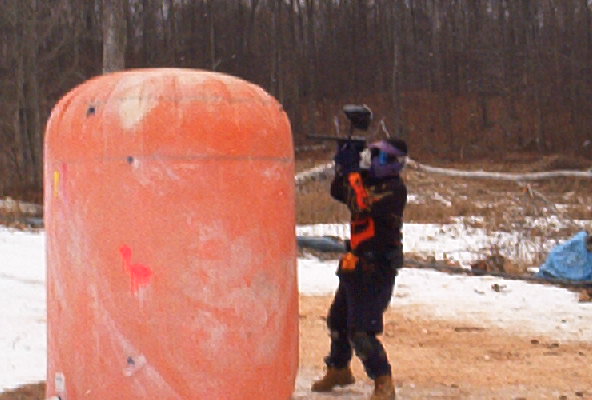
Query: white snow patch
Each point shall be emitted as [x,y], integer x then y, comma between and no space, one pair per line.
[520,307]
[22,308]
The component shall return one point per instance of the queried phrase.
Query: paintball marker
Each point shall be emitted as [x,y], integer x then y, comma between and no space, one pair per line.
[350,148]
[359,117]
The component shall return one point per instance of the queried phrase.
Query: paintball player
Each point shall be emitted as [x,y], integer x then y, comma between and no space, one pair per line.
[376,196]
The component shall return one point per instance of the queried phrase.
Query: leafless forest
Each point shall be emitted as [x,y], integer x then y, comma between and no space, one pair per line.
[460,79]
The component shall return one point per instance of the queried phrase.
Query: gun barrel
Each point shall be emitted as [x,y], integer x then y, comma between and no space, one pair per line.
[338,138]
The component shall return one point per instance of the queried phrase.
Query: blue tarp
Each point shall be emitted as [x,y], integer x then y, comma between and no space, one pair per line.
[570,260]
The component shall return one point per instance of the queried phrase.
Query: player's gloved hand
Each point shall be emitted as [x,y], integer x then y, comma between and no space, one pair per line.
[347,159]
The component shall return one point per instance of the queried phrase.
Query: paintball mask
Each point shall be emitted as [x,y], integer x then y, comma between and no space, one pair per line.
[388,158]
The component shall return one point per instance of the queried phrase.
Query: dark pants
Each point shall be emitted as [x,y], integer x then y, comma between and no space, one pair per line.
[356,314]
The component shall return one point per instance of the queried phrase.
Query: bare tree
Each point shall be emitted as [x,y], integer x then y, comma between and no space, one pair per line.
[114,35]
[486,75]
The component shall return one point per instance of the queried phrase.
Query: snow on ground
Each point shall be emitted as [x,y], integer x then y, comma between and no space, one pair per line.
[11,205]
[22,308]
[451,242]
[519,306]
[522,307]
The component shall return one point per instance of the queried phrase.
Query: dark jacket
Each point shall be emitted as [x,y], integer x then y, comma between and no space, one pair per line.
[387,200]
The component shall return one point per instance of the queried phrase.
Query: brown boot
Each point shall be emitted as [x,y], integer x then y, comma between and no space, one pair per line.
[333,377]
[383,388]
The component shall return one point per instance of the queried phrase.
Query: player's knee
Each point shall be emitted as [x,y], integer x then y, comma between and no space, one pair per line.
[365,344]
[337,335]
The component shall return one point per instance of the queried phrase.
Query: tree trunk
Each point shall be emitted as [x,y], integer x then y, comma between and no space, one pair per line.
[30,122]
[148,32]
[211,35]
[276,70]
[114,35]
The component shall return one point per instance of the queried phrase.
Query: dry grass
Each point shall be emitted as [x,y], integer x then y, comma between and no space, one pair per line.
[315,205]
[501,206]
[28,392]
[19,214]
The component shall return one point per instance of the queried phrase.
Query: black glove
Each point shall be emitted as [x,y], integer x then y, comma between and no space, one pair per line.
[347,158]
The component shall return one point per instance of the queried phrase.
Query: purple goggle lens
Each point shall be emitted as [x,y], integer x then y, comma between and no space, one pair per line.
[387,160]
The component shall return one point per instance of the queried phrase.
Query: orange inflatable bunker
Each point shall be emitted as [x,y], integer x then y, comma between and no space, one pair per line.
[169,200]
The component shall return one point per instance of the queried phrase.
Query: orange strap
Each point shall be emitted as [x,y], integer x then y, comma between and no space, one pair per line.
[361,230]
[362,198]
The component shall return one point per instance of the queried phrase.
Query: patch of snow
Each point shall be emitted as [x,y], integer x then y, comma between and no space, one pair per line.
[17,206]
[414,199]
[518,306]
[521,307]
[22,308]
[317,172]
[438,197]
[450,242]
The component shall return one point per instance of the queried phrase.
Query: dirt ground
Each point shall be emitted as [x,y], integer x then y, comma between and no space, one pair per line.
[453,360]
[440,360]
